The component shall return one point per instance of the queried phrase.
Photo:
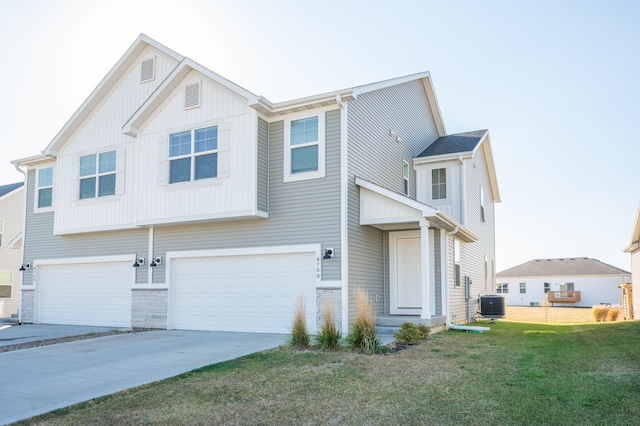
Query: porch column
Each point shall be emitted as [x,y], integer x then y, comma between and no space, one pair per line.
[425,270]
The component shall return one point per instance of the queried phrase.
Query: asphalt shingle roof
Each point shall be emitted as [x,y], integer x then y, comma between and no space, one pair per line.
[568,266]
[454,144]
[5,189]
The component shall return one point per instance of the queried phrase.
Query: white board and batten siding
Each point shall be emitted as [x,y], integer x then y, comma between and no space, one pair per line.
[102,132]
[375,156]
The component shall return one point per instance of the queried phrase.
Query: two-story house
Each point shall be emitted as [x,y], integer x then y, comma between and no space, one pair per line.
[11,225]
[183,201]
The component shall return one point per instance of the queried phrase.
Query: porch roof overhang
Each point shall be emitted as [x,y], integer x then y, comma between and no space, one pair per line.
[387,210]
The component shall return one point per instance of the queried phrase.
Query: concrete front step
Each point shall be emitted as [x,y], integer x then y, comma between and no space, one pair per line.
[397,320]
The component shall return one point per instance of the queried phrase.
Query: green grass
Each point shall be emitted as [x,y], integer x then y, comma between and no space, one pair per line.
[515,374]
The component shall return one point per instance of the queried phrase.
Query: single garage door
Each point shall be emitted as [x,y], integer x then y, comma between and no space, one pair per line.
[96,294]
[254,293]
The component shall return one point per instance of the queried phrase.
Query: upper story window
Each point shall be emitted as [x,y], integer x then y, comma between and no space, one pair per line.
[405,177]
[304,148]
[193,155]
[482,204]
[438,184]
[44,193]
[98,175]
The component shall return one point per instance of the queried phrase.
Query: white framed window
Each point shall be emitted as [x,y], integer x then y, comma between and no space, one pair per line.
[523,288]
[193,155]
[567,287]
[98,175]
[439,184]
[456,262]
[44,192]
[502,288]
[304,151]
[547,287]
[482,204]
[405,177]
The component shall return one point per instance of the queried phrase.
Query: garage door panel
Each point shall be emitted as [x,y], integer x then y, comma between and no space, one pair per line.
[85,294]
[242,293]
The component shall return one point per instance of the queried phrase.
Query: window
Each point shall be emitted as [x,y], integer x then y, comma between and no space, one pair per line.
[481,204]
[439,184]
[566,287]
[1,230]
[547,287]
[193,155]
[6,278]
[304,148]
[456,262]
[523,288]
[405,177]
[502,288]
[98,175]
[45,188]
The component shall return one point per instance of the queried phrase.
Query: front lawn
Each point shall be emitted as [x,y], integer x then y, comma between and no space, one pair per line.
[514,374]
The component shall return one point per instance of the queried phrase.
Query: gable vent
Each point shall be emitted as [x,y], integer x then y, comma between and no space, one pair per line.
[148,70]
[192,95]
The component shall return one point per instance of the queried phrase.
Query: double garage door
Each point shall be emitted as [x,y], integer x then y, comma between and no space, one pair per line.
[253,292]
[248,292]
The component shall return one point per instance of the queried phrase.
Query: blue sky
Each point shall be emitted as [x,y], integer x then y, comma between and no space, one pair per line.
[555,82]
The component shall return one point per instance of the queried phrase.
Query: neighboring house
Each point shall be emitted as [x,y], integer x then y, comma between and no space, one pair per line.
[634,250]
[575,281]
[11,225]
[183,201]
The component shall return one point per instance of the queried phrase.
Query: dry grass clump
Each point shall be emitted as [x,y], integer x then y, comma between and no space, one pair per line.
[606,313]
[329,336]
[299,334]
[363,331]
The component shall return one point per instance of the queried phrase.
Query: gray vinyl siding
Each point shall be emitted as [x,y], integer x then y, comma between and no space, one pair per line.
[472,262]
[40,243]
[374,156]
[302,212]
[263,166]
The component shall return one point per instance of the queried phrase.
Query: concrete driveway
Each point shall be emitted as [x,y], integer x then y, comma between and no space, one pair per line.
[38,380]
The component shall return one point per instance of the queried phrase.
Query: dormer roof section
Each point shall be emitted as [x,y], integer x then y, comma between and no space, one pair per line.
[174,80]
[105,86]
[462,146]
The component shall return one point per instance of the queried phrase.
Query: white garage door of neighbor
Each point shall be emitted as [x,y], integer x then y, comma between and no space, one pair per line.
[254,293]
[97,294]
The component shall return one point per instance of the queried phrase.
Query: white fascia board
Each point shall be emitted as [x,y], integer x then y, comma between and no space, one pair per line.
[94,229]
[442,158]
[424,209]
[388,83]
[433,105]
[632,247]
[270,109]
[16,240]
[215,217]
[243,251]
[493,178]
[104,87]
[34,160]
[16,191]
[91,259]
[635,235]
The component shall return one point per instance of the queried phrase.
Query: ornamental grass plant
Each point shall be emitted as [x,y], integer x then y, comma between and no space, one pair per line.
[329,336]
[300,337]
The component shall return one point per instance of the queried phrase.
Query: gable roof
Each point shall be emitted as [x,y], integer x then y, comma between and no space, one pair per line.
[573,266]
[463,145]
[635,235]
[6,189]
[103,88]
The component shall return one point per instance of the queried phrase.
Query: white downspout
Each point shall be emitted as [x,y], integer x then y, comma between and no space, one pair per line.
[446,303]
[463,190]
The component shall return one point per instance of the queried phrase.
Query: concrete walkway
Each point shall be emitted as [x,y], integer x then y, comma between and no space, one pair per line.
[38,380]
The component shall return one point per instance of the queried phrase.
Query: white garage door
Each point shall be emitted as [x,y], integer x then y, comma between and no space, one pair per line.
[254,293]
[96,294]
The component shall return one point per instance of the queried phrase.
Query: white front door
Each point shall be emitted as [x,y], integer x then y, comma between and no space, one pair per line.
[404,271]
